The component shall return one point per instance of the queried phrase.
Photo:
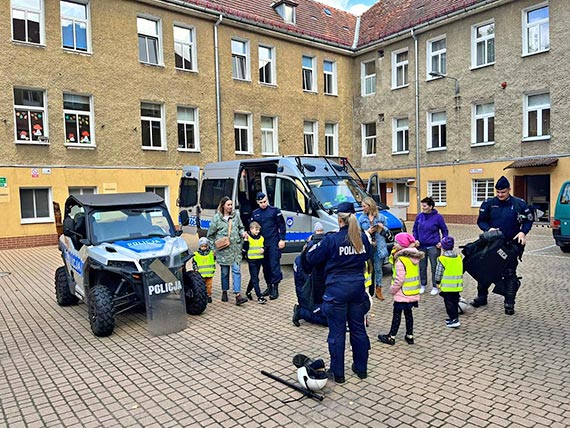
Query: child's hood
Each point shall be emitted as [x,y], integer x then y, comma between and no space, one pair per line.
[413,253]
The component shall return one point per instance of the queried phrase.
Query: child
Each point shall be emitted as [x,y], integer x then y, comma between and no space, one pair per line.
[253,247]
[449,279]
[204,263]
[405,259]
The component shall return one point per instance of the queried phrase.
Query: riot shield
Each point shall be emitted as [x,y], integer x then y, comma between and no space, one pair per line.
[164,296]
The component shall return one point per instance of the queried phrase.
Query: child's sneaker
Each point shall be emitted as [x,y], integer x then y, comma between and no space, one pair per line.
[452,323]
[434,291]
[261,300]
[388,340]
[410,339]
[422,289]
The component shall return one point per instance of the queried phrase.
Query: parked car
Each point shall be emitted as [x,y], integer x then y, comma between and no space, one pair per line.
[561,221]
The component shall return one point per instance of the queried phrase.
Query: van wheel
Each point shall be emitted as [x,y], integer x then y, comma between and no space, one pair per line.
[101,311]
[63,293]
[565,248]
[195,293]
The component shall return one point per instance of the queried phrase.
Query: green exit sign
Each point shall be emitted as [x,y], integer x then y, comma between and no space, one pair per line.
[3,182]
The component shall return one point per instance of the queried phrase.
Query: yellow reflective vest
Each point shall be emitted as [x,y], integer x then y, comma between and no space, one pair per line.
[206,264]
[452,279]
[255,247]
[411,285]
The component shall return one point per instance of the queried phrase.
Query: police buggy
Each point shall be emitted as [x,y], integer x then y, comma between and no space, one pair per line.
[122,251]
[307,189]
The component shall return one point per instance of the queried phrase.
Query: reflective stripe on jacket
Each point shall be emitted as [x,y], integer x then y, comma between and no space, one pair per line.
[206,265]
[411,285]
[367,279]
[255,246]
[452,279]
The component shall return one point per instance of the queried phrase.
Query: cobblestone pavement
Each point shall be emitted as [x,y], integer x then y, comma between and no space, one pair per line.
[494,370]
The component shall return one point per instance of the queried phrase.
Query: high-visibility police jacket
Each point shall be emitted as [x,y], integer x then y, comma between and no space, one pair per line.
[255,247]
[206,264]
[411,285]
[452,279]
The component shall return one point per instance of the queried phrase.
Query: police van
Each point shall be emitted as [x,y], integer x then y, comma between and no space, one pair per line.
[307,189]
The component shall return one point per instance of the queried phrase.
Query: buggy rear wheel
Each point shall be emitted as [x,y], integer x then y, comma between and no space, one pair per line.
[101,311]
[63,294]
[195,293]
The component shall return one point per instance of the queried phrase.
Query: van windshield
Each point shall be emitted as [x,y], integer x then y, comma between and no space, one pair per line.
[331,191]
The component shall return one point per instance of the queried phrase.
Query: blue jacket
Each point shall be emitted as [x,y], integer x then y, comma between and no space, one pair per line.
[510,216]
[344,269]
[272,224]
[427,228]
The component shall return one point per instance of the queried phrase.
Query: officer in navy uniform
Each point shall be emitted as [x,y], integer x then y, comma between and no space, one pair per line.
[273,232]
[345,299]
[513,218]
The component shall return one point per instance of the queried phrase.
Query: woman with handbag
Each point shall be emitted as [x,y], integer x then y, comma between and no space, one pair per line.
[226,234]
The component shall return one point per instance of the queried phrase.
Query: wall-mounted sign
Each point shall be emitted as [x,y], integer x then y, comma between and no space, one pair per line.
[35,173]
[476,171]
[3,182]
[46,171]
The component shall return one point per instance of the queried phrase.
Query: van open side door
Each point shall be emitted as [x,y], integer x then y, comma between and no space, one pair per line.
[188,196]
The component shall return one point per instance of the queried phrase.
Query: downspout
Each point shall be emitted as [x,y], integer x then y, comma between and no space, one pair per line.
[218,91]
[417,124]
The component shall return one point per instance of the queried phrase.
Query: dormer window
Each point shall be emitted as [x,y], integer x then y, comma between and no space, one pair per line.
[286,10]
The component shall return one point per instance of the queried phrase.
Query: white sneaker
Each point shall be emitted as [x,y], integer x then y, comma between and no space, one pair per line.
[422,289]
[452,323]
[434,291]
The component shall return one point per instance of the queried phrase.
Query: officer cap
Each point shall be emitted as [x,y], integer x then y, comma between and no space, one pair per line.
[346,207]
[260,196]
[502,183]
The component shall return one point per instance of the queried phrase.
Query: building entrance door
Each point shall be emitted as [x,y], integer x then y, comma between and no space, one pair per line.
[535,190]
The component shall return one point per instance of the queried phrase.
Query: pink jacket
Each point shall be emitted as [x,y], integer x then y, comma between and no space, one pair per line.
[396,288]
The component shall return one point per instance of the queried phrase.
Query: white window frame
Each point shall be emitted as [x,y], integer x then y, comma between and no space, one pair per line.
[44,138]
[309,83]
[485,40]
[78,21]
[437,190]
[166,193]
[184,47]
[331,138]
[539,113]
[244,56]
[157,37]
[26,11]
[265,61]
[526,27]
[405,131]
[372,138]
[289,14]
[151,120]
[81,190]
[367,79]
[78,138]
[401,194]
[311,137]
[249,130]
[441,54]
[487,185]
[485,117]
[400,67]
[195,123]
[330,78]
[270,134]
[34,220]
[439,123]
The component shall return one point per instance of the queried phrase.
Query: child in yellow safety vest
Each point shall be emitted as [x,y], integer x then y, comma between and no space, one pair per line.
[204,263]
[253,247]
[405,287]
[449,279]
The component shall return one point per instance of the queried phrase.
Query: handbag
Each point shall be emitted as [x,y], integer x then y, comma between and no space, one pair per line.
[224,242]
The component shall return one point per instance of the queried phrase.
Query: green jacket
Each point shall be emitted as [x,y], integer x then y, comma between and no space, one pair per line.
[218,229]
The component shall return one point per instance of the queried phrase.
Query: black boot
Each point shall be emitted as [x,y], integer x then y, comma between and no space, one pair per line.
[512,284]
[274,292]
[267,291]
[224,296]
[479,301]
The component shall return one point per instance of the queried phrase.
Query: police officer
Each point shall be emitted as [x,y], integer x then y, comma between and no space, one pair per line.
[273,232]
[513,218]
[345,299]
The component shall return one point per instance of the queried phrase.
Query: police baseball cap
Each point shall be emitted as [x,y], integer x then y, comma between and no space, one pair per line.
[346,207]
[502,183]
[260,196]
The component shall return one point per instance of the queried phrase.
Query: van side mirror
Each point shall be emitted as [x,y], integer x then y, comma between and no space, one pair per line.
[68,227]
[184,218]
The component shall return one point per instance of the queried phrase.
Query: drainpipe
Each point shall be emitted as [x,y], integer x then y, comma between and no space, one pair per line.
[417,90]
[218,96]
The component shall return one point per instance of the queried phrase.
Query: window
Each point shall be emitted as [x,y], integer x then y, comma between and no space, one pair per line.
[536,30]
[27,21]
[212,190]
[82,191]
[152,126]
[36,206]
[331,139]
[537,116]
[436,56]
[368,78]
[369,139]
[438,191]
[30,115]
[184,48]
[269,135]
[242,133]
[161,191]
[309,72]
[188,135]
[240,63]
[483,125]
[402,194]
[437,132]
[401,135]
[267,65]
[310,138]
[78,120]
[74,25]
[149,40]
[329,84]
[286,11]
[483,44]
[482,189]
[400,69]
